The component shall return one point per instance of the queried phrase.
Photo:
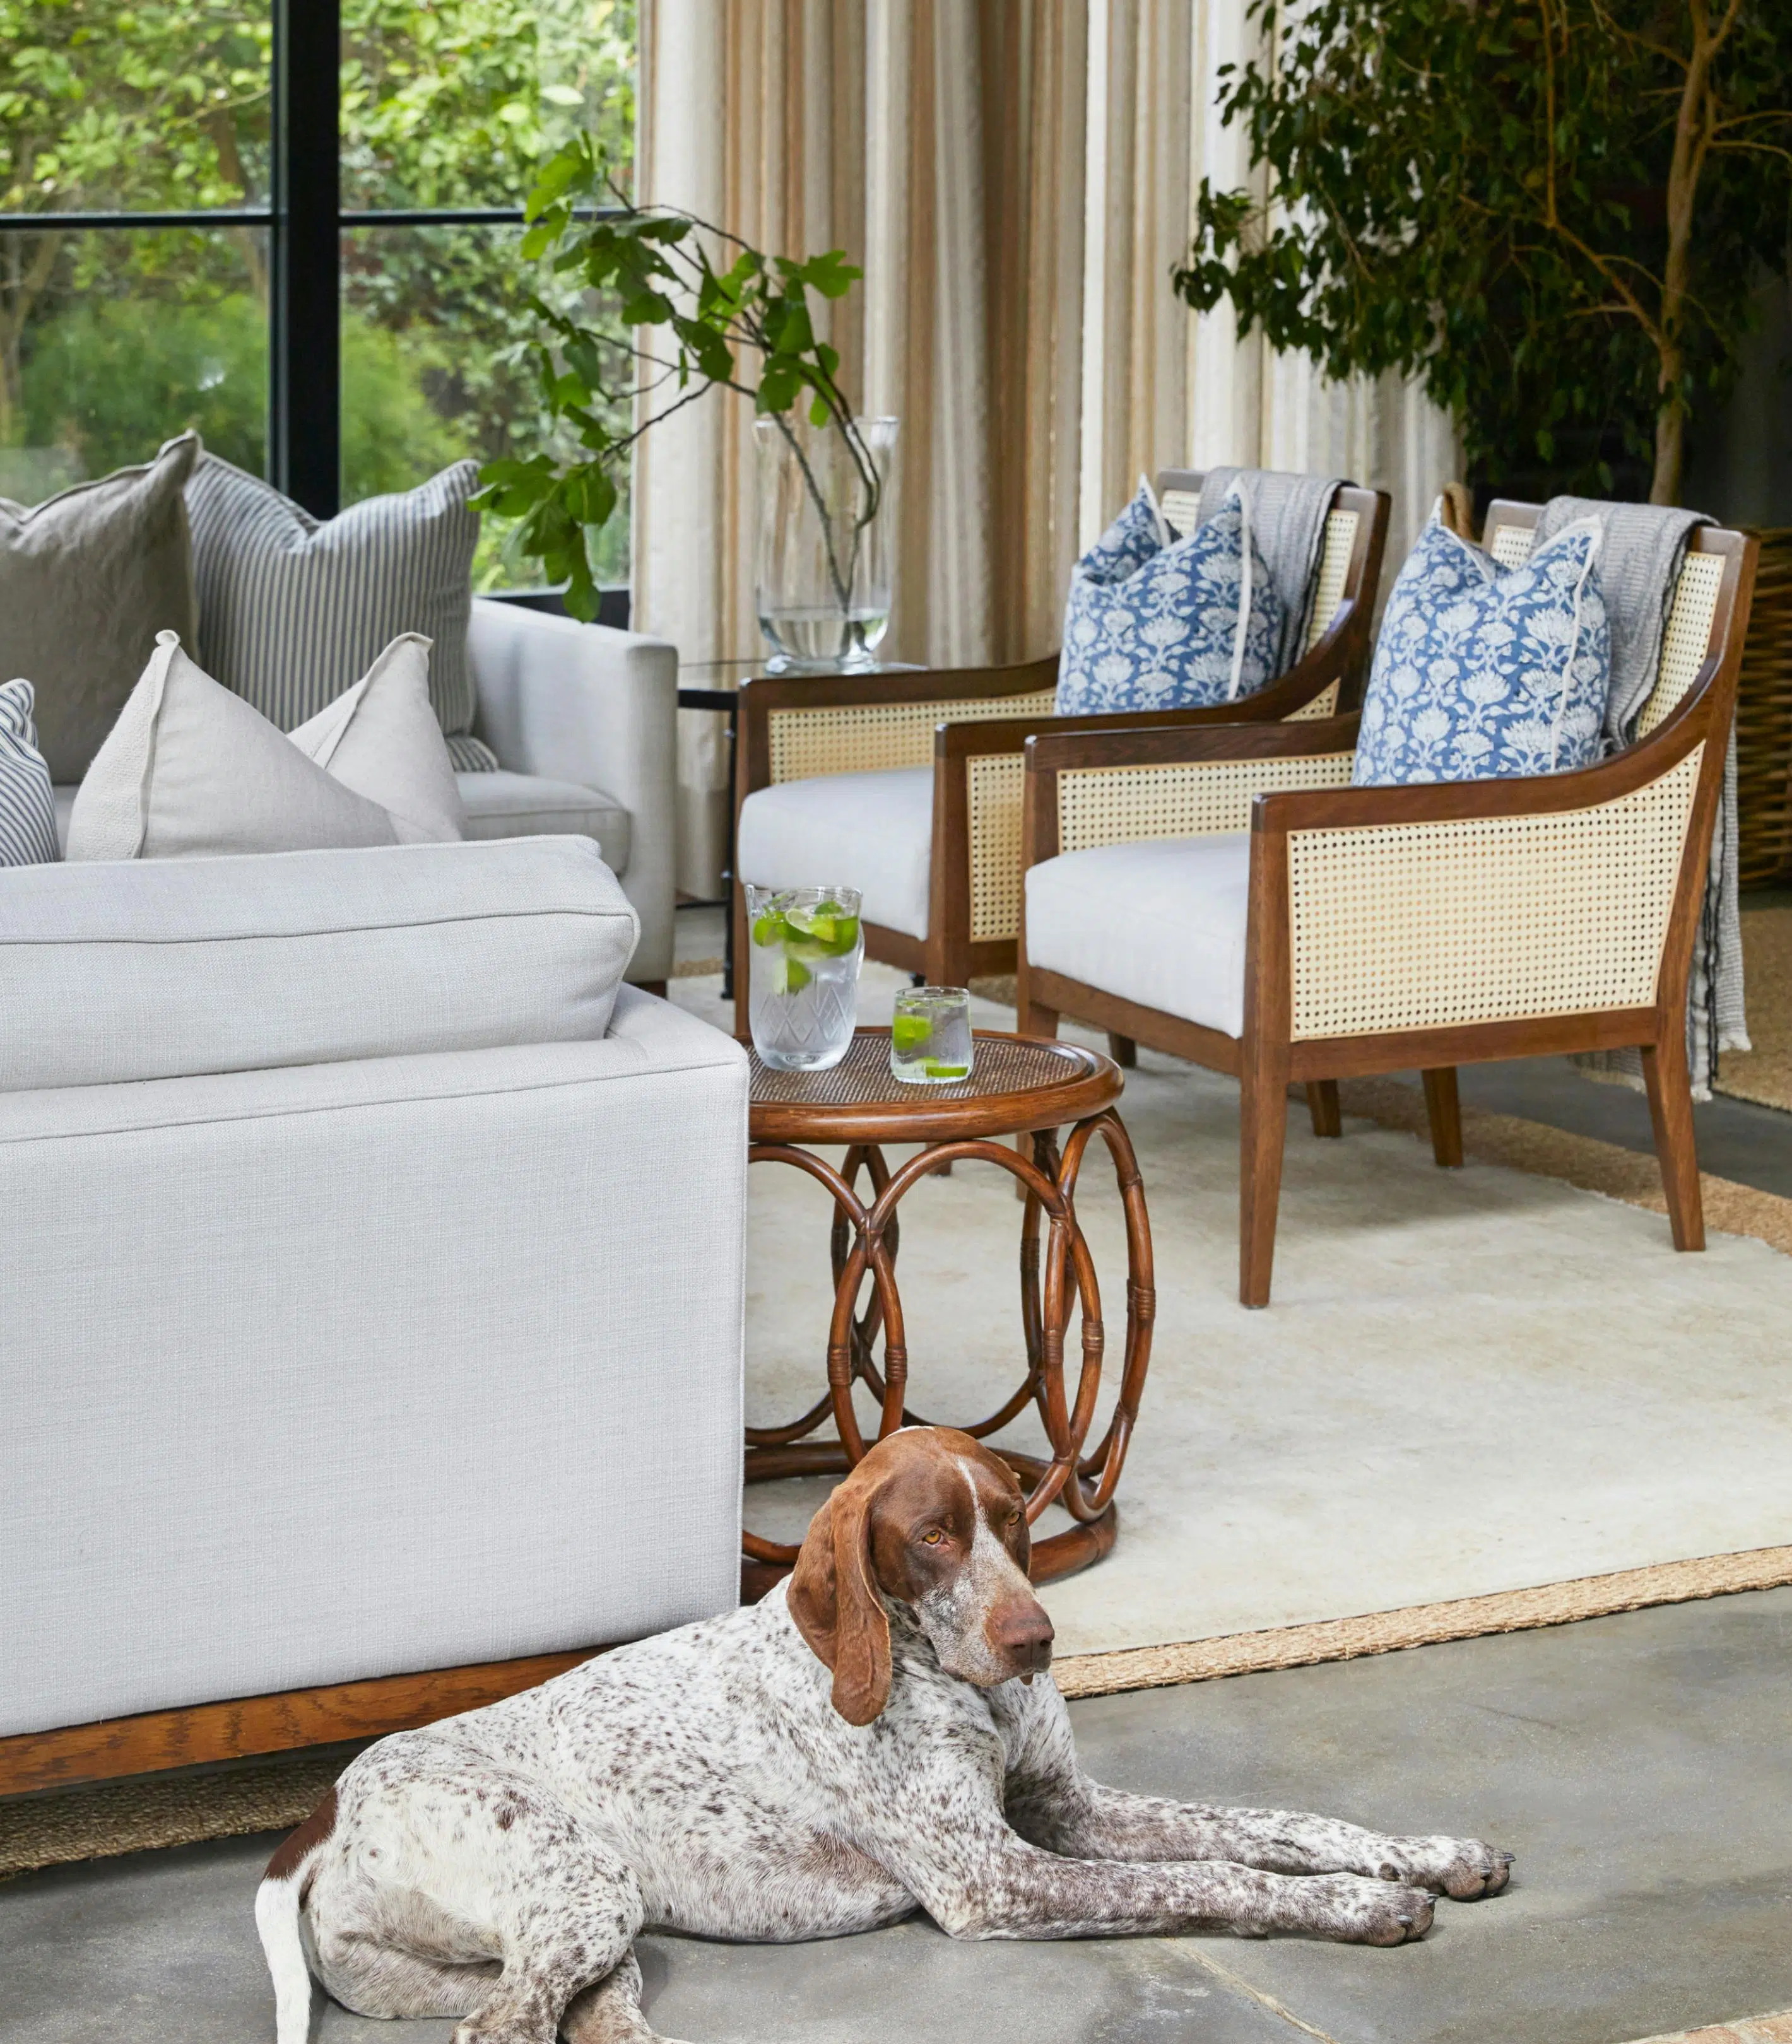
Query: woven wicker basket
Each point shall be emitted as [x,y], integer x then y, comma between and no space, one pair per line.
[1763,720]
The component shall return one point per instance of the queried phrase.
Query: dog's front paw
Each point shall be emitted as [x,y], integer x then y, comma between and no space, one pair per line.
[1359,1910]
[1460,1868]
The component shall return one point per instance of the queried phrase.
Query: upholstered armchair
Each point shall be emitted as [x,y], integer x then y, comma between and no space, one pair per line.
[1228,897]
[907,786]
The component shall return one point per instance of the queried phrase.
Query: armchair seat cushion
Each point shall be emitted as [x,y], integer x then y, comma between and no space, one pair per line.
[503,805]
[1160,922]
[874,832]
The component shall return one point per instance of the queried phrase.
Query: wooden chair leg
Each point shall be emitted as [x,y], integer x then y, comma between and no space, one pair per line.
[1034,1020]
[1322,1104]
[1123,1051]
[1671,1110]
[1262,1132]
[1443,1110]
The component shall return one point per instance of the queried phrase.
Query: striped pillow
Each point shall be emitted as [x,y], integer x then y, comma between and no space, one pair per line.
[293,611]
[28,808]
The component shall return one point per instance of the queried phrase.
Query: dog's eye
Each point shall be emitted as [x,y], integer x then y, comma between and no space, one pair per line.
[932,1536]
[1013,1519]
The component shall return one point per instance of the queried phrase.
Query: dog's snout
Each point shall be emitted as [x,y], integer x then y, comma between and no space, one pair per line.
[1024,1632]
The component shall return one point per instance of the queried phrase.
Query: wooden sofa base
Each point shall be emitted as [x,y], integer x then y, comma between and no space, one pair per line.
[292,1718]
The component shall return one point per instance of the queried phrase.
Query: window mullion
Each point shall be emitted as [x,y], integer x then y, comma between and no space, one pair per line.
[305,400]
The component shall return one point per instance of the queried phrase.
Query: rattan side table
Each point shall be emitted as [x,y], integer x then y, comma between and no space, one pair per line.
[1019,1085]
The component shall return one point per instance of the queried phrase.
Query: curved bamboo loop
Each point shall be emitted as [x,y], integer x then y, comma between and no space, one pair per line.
[1055,1278]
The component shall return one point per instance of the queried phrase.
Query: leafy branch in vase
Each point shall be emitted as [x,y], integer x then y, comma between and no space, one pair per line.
[656,264]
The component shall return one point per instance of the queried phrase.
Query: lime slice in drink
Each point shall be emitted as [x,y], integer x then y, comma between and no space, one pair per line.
[935,1069]
[770,928]
[909,1032]
[795,977]
[834,930]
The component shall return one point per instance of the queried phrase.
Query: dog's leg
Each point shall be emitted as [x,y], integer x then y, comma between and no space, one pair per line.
[981,1880]
[610,2012]
[455,1884]
[1089,1821]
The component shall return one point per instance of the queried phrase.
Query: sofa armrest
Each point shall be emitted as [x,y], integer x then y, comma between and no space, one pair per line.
[585,703]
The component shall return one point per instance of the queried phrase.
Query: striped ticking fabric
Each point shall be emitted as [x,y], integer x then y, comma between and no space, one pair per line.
[293,611]
[28,808]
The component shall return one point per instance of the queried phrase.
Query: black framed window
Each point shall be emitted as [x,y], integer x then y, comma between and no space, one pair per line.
[291,223]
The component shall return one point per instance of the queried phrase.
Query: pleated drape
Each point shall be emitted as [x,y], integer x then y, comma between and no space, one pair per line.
[1017,179]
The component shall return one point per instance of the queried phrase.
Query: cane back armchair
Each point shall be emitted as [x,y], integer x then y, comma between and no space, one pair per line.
[1306,930]
[931,815]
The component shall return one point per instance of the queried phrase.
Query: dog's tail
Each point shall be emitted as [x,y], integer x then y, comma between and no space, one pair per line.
[277,1904]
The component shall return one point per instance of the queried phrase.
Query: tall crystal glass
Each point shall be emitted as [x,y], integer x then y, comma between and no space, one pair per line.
[806,948]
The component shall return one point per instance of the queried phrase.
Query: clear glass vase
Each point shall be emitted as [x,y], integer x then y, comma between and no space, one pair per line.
[827,541]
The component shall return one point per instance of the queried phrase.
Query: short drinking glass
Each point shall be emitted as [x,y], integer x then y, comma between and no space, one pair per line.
[930,1035]
[806,948]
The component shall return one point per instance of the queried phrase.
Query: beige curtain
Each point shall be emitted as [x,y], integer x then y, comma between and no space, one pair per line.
[1017,178]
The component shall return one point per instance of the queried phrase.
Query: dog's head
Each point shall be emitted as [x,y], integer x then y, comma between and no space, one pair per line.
[934,1522]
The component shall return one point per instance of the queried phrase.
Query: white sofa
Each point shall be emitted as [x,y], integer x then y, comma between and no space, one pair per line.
[584,721]
[374,1285]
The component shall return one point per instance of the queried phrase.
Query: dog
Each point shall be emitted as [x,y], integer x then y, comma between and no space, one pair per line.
[878,1736]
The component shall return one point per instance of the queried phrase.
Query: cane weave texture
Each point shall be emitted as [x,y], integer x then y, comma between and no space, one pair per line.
[1324,704]
[1116,804]
[1511,544]
[1334,567]
[998,791]
[863,1078]
[1685,642]
[1486,919]
[866,738]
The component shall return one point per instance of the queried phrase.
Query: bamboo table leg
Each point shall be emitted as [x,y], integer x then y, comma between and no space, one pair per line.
[1054,1283]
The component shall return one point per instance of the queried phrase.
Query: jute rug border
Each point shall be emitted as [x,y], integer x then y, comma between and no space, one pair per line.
[1423,1624]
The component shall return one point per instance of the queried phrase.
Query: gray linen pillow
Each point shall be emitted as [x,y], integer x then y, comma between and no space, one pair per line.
[293,611]
[87,579]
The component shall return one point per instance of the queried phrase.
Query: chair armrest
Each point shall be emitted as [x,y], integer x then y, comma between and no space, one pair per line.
[585,703]
[1086,788]
[1455,904]
[792,726]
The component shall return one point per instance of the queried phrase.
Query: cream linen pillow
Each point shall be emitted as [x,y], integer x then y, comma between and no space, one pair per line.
[191,771]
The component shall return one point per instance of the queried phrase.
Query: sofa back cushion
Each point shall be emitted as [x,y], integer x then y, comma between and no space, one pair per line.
[169,968]
[87,578]
[292,610]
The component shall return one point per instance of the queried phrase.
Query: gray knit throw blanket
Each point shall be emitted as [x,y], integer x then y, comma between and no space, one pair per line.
[1640,551]
[1288,523]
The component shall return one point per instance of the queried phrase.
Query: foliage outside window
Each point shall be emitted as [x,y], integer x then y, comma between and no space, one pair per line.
[111,340]
[1556,212]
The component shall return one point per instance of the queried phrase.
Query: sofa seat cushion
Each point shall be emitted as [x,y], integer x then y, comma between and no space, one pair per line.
[115,971]
[874,832]
[1160,922]
[504,804]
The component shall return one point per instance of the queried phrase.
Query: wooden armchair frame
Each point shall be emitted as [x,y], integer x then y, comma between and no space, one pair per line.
[974,723]
[1375,913]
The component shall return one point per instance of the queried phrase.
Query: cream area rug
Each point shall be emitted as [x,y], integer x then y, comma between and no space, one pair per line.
[1470,1384]
[1764,1074]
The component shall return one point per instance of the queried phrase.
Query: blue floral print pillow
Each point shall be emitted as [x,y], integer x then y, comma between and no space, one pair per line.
[1155,622]
[1481,673]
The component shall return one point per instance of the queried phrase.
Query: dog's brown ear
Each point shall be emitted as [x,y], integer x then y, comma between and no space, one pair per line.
[834,1599]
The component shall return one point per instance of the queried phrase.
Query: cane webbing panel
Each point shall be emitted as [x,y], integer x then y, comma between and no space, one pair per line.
[1181,509]
[1194,798]
[1324,704]
[998,791]
[864,738]
[1486,919]
[1688,635]
[1511,544]
[1334,565]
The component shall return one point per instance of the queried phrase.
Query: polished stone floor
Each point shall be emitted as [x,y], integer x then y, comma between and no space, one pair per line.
[1639,1766]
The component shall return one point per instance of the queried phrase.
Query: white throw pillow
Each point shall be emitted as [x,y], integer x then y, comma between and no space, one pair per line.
[191,771]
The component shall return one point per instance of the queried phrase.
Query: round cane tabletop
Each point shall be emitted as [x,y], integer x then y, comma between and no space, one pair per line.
[1017,1084]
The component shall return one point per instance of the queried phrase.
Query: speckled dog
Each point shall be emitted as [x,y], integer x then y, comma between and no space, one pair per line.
[881,1739]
